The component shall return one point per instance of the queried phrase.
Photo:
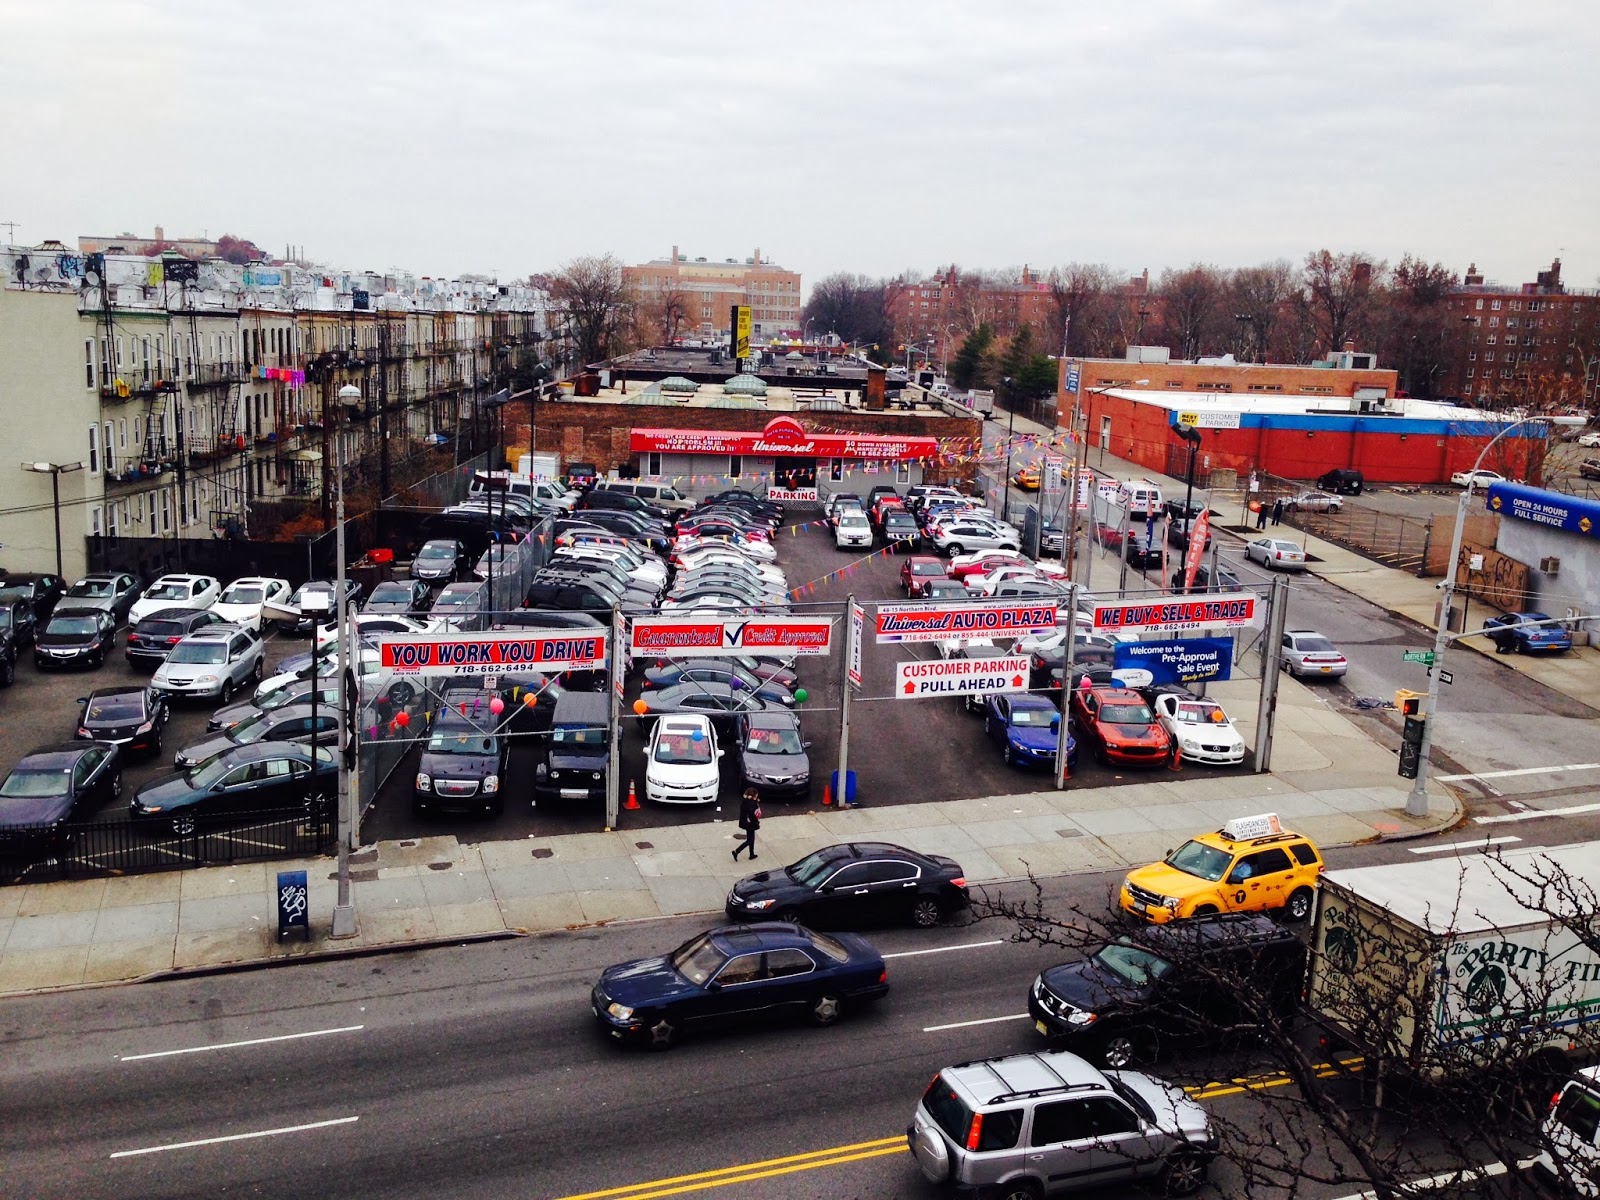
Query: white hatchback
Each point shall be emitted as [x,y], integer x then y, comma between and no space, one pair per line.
[681,761]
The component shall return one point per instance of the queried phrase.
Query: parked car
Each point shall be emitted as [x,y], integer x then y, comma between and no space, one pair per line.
[574,758]
[463,763]
[1120,726]
[684,671]
[212,664]
[1589,440]
[111,592]
[1589,468]
[16,628]
[1225,581]
[1305,652]
[943,589]
[1200,729]
[242,601]
[315,602]
[1569,1161]
[582,475]
[981,562]
[918,570]
[40,590]
[1082,1128]
[852,885]
[1169,985]
[8,649]
[441,560]
[1477,479]
[768,971]
[287,691]
[175,591]
[772,755]
[240,782]
[1026,728]
[152,639]
[290,723]
[1516,631]
[1251,864]
[399,596]
[127,716]
[1275,554]
[680,758]
[75,638]
[960,536]
[852,529]
[1323,502]
[1343,480]
[50,785]
[839,501]
[900,531]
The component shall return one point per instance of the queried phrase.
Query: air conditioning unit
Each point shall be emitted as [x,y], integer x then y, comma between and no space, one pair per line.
[1550,566]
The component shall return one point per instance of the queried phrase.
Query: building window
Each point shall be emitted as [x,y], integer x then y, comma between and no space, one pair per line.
[1472,356]
[1488,356]
[161,358]
[88,363]
[836,470]
[1471,371]
[1479,306]
[1516,306]
[111,520]
[1493,338]
[111,457]
[119,352]
[105,359]
[902,471]
[1495,305]
[735,466]
[146,362]
[1511,322]
[94,449]
[166,511]
[94,521]
[1511,339]
[1494,322]
[122,434]
[652,464]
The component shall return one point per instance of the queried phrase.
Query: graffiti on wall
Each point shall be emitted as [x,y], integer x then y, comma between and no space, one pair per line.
[1500,581]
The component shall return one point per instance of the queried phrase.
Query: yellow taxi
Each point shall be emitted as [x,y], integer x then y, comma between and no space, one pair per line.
[1027,479]
[1251,864]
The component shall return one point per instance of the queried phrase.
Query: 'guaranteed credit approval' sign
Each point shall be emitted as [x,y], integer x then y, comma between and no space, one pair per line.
[944,622]
[718,637]
[490,652]
[960,676]
[1174,614]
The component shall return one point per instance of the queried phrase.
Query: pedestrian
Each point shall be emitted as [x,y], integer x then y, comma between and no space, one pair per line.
[1261,515]
[1277,511]
[749,821]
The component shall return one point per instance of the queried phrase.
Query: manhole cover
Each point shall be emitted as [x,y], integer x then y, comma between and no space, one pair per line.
[543,852]
[644,845]
[1070,832]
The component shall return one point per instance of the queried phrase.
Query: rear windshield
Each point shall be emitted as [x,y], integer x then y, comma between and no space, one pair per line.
[116,708]
[1314,645]
[997,1131]
[1579,1111]
[199,653]
[163,628]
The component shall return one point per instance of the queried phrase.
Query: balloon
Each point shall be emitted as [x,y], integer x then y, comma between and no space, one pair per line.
[735,682]
[800,695]
[402,719]
[497,706]
[530,699]
[640,707]
[697,736]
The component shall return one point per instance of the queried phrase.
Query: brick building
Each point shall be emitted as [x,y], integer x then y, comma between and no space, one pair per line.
[939,312]
[702,293]
[1541,333]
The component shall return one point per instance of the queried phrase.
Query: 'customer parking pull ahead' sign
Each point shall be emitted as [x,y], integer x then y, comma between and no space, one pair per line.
[917,679]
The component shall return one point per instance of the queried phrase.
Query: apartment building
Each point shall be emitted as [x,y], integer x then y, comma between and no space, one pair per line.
[703,291]
[1540,334]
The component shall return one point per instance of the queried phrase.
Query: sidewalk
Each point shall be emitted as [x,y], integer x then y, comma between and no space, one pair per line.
[1329,782]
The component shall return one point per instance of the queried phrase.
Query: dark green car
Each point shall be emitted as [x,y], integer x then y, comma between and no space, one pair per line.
[265,777]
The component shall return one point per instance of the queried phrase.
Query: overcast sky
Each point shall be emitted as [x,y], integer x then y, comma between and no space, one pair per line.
[874,136]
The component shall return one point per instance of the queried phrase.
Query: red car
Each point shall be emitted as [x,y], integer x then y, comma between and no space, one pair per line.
[1120,727]
[918,570]
[982,562]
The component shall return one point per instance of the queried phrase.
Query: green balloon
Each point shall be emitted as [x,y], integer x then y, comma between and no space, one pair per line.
[800,695]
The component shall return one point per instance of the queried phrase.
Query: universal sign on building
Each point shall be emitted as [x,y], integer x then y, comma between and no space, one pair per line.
[945,622]
[782,437]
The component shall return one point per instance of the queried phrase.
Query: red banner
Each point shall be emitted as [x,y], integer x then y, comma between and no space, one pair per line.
[781,437]
[1199,534]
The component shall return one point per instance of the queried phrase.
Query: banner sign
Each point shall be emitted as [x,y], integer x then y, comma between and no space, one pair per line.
[795,495]
[960,676]
[858,623]
[714,637]
[1190,661]
[1052,473]
[1209,420]
[782,442]
[913,622]
[739,319]
[1074,377]
[1199,534]
[450,654]
[1176,614]
[1524,503]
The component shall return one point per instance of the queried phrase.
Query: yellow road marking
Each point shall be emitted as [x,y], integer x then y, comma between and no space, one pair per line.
[834,1156]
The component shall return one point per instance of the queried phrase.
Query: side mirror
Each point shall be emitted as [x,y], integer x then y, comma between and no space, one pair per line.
[83,700]
[805,745]
[713,985]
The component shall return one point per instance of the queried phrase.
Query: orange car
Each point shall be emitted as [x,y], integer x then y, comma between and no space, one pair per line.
[1120,727]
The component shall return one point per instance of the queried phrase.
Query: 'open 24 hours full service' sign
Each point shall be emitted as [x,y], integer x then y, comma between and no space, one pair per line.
[491,652]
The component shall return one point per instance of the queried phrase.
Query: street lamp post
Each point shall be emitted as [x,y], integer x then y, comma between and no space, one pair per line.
[1417,799]
[344,913]
[55,471]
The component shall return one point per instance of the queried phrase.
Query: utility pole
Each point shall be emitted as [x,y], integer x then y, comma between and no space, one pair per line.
[1271,656]
[842,799]
[383,407]
[1066,685]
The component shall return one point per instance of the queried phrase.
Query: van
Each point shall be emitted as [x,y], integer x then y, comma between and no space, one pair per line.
[574,757]
[1343,481]
[1140,497]
[605,496]
[661,495]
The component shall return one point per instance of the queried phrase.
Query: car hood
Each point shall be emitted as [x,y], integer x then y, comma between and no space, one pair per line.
[681,774]
[166,791]
[1138,734]
[237,612]
[85,604]
[202,750]
[1032,737]
[226,718]
[644,981]
[1089,986]
[776,764]
[1169,881]
[578,760]
[33,810]
[458,766]
[1175,1111]
[65,641]
[768,885]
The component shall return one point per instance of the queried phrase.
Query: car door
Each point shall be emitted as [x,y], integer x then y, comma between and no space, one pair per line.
[895,884]
[1257,880]
[790,980]
[999,718]
[241,790]
[1084,1143]
[91,781]
[735,992]
[844,898]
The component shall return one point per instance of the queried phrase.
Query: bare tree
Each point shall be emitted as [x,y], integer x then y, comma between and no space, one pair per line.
[1191,307]
[1085,296]
[851,306]
[1340,290]
[1259,297]
[597,304]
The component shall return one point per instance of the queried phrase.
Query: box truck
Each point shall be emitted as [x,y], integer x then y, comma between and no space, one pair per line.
[1442,967]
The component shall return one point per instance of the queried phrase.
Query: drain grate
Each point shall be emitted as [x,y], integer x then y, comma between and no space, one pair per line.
[543,852]
[1070,833]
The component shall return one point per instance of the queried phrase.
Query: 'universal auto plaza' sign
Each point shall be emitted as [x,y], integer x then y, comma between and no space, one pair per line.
[716,637]
[1174,614]
[945,622]
[485,652]
[960,676]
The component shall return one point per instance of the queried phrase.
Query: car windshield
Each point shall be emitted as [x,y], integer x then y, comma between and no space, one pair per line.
[1198,859]
[1317,644]
[697,960]
[682,749]
[1128,962]
[72,626]
[813,868]
[5,616]
[90,587]
[115,710]
[168,591]
[391,591]
[251,729]
[579,735]
[291,693]
[460,741]
[433,551]
[198,653]
[775,741]
[449,599]
[243,595]
[927,568]
[852,520]
[1201,713]
[23,784]
[1127,714]
[1040,718]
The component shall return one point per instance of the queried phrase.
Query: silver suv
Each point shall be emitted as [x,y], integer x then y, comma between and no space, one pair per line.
[963,534]
[212,664]
[1034,1125]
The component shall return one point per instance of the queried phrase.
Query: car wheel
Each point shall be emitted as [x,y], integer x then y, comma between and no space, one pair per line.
[183,825]
[315,806]
[1020,1189]
[1183,1174]
[155,743]
[1009,755]
[116,786]
[825,1009]
[257,671]
[1101,757]
[97,660]
[8,673]
[1205,910]
[926,913]
[663,1034]
[1299,907]
[227,690]
[953,549]
[789,916]
[1118,1051]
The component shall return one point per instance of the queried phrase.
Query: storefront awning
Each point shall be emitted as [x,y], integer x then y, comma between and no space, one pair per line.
[782,437]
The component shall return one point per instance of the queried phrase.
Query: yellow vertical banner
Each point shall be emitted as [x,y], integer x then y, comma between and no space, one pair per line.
[741,331]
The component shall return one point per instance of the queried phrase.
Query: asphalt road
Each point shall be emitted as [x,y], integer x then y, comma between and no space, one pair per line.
[475,1071]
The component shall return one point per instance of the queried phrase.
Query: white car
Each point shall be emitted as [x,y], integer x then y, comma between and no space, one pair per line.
[1306,652]
[1276,554]
[1571,1156]
[984,585]
[375,625]
[958,537]
[682,761]
[1590,440]
[759,551]
[852,529]
[652,575]
[175,591]
[1477,478]
[1200,728]
[1325,502]
[241,603]
[711,556]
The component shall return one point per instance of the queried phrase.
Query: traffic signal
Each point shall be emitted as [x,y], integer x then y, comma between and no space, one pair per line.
[1409,703]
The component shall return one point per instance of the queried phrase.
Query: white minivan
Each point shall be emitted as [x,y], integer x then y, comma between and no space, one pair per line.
[681,761]
[1140,497]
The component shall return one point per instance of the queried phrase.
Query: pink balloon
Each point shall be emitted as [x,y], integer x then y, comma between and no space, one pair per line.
[497,706]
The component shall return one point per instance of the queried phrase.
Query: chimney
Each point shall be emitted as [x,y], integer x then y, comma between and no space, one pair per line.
[1025,279]
[161,234]
[1349,347]
[1473,279]
[758,256]
[674,254]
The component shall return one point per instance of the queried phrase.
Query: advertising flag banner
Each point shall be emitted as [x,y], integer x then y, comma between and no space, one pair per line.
[722,637]
[1199,534]
[919,679]
[925,622]
[482,653]
[1177,614]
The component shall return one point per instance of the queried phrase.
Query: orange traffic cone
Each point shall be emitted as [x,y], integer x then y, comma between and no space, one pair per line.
[633,798]
[827,795]
[1176,763]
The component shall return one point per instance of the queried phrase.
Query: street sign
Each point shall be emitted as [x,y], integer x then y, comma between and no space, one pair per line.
[927,622]
[1209,420]
[487,653]
[1446,677]
[1052,473]
[858,622]
[1073,377]
[1418,656]
[1177,614]
[918,679]
[715,637]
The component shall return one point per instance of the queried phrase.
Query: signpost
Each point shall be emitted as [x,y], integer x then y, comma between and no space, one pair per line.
[1418,656]
[858,621]
[926,622]
[717,637]
[918,678]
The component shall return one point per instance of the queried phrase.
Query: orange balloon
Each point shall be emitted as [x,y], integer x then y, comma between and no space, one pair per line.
[640,707]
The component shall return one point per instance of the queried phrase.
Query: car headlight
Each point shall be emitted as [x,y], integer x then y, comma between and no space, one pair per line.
[424,783]
[148,808]
[146,727]
[1171,902]
[1192,747]
[82,732]
[597,774]
[758,905]
[620,1011]
[491,784]
[206,679]
[1082,1019]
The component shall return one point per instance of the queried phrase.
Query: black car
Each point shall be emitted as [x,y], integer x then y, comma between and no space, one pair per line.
[42,591]
[1342,480]
[772,755]
[8,648]
[400,596]
[315,601]
[442,560]
[1225,581]
[1047,662]
[464,760]
[901,531]
[944,589]
[288,723]
[16,619]
[573,760]
[128,716]
[582,475]
[1186,982]
[73,639]
[737,974]
[153,638]
[51,783]
[1141,554]
[294,691]
[854,884]
[246,780]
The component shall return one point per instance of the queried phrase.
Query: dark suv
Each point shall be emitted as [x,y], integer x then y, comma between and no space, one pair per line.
[150,641]
[1342,480]
[575,755]
[1183,982]
[463,763]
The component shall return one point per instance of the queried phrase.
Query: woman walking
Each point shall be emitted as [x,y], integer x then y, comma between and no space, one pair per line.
[749,821]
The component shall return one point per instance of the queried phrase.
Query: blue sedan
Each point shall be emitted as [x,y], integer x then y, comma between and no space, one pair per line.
[736,974]
[1512,631]
[1026,727]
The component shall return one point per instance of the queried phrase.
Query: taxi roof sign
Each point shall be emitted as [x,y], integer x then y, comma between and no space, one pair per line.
[1242,829]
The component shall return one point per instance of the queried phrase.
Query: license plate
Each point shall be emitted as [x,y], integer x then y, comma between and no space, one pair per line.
[1042,1028]
[1325,670]
[573,793]
[1139,906]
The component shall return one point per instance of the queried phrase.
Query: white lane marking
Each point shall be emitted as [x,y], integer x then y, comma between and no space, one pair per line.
[1447,1179]
[1519,771]
[970,1024]
[945,949]
[235,1137]
[1533,813]
[1479,845]
[286,1037]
